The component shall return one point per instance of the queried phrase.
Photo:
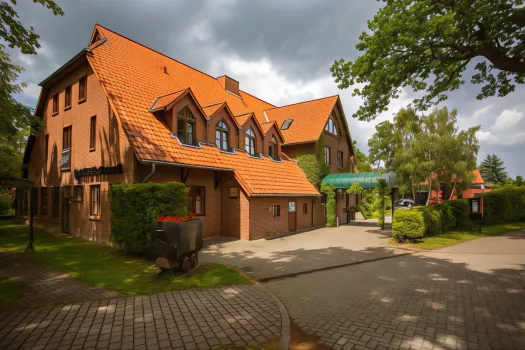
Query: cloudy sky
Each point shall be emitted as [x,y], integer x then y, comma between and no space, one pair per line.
[280,51]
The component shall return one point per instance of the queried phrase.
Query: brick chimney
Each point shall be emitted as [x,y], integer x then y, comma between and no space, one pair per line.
[229,84]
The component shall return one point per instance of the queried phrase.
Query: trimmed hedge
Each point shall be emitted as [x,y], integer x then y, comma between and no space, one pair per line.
[5,204]
[448,220]
[433,220]
[134,208]
[408,225]
[506,204]
[460,210]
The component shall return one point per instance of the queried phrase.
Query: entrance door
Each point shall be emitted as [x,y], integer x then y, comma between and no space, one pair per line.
[292,216]
[66,196]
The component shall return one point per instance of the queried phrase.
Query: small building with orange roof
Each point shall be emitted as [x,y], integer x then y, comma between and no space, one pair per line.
[449,191]
[120,112]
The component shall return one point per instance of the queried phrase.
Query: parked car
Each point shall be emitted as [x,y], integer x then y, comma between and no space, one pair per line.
[404,203]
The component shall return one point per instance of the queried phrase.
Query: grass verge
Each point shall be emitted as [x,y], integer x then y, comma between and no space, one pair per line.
[10,291]
[454,237]
[106,267]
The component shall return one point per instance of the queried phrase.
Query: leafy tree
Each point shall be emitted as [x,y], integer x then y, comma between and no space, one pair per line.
[427,45]
[519,180]
[16,119]
[380,145]
[492,170]
[426,149]
[446,151]
[363,165]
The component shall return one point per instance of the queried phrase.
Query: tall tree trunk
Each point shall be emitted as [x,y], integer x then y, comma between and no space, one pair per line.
[413,189]
[429,189]
[438,190]
[452,193]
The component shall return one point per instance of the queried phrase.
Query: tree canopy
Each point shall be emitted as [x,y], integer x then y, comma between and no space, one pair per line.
[16,120]
[426,45]
[363,164]
[492,170]
[426,149]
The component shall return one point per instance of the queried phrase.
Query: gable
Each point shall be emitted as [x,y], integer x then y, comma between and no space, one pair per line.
[307,119]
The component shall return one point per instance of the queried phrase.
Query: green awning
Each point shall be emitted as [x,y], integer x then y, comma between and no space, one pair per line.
[366,180]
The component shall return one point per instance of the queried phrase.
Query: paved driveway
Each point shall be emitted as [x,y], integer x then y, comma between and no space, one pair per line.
[469,296]
[306,251]
[191,319]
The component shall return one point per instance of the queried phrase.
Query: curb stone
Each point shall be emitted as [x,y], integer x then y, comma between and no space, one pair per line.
[284,342]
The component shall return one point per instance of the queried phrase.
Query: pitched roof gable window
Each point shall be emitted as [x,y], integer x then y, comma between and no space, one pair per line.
[221,136]
[249,142]
[186,126]
[331,127]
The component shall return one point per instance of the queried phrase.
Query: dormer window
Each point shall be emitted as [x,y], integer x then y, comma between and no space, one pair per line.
[330,127]
[186,126]
[249,142]
[221,136]
[272,151]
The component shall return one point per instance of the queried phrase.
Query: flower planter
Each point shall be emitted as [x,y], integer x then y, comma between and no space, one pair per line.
[174,242]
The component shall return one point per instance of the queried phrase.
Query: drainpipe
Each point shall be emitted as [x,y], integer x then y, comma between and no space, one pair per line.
[150,174]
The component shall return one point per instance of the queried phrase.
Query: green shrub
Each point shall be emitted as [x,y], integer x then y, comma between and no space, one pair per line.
[134,208]
[5,204]
[408,225]
[460,210]
[504,205]
[433,220]
[330,204]
[356,188]
[448,220]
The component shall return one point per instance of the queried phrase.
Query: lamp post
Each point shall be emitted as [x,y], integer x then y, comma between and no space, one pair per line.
[482,206]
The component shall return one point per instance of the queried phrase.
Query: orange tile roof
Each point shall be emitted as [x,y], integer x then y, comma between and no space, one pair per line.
[309,118]
[257,105]
[162,101]
[267,126]
[133,76]
[210,110]
[477,180]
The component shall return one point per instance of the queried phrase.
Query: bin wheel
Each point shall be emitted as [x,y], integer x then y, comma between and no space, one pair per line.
[194,259]
[186,264]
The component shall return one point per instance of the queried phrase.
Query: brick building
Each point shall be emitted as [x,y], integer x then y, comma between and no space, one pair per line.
[121,112]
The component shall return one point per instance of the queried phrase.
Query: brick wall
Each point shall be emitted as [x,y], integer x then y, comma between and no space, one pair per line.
[231,207]
[197,177]
[263,223]
[111,147]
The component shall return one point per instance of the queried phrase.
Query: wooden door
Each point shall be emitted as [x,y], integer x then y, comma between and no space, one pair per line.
[292,215]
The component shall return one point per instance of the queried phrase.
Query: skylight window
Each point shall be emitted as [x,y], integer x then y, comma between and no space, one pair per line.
[286,124]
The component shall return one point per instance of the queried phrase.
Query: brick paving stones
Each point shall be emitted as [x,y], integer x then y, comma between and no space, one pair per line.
[191,319]
[438,300]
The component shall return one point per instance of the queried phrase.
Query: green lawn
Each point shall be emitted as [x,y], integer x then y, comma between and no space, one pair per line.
[453,237]
[10,291]
[106,267]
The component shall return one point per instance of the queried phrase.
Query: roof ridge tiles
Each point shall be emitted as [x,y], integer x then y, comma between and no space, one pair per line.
[298,103]
[158,52]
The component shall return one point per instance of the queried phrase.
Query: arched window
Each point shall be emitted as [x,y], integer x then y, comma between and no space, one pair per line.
[331,127]
[221,136]
[186,126]
[249,142]
[272,151]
